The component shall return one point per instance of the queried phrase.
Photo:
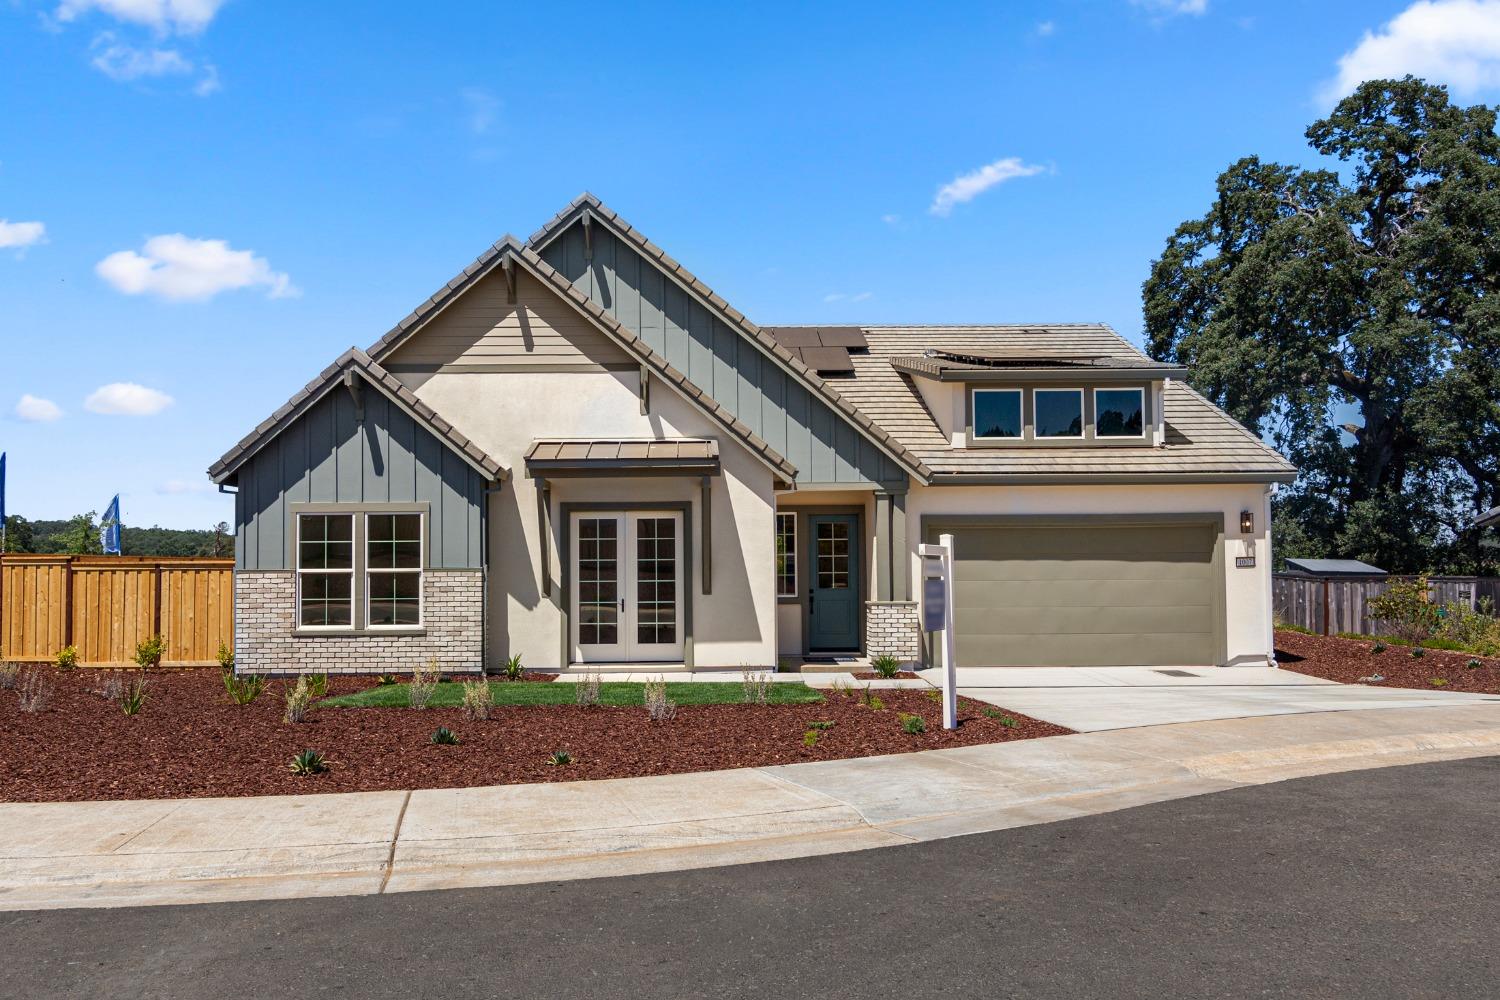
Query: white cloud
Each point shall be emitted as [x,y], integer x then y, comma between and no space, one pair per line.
[483,109]
[1169,8]
[966,187]
[121,61]
[1045,29]
[1456,42]
[182,487]
[36,410]
[178,268]
[126,399]
[17,235]
[846,297]
[185,17]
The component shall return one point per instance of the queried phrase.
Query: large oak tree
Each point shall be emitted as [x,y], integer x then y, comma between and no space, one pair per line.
[1349,313]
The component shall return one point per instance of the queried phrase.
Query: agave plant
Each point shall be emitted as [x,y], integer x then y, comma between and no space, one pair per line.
[309,762]
[444,737]
[243,690]
[560,758]
[513,670]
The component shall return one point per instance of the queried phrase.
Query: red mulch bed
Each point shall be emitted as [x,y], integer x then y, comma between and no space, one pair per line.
[190,741]
[1347,660]
[870,675]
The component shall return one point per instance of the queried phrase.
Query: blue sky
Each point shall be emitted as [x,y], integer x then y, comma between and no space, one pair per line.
[231,193]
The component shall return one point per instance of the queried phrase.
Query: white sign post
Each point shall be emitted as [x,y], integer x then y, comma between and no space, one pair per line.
[937,616]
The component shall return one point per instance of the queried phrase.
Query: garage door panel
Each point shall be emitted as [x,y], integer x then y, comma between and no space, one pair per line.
[1086,595]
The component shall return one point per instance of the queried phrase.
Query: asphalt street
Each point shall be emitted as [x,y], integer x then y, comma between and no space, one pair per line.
[1377,883]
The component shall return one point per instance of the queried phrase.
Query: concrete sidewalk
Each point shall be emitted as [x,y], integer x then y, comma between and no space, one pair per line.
[201,850]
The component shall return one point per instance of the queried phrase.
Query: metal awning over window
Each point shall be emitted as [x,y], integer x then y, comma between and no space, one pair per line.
[559,458]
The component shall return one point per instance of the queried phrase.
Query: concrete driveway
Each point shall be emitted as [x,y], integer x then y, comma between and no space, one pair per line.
[1089,699]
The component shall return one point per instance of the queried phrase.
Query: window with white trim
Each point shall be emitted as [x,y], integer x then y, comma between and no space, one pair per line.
[393,570]
[325,571]
[1058,413]
[1119,413]
[997,414]
[786,555]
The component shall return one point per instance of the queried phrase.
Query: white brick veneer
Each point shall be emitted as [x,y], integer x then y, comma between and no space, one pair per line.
[892,629]
[265,639]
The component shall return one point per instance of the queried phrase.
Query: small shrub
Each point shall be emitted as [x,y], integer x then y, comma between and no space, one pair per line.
[386,680]
[559,758]
[913,724]
[841,689]
[478,700]
[133,695]
[821,724]
[444,737]
[875,704]
[309,762]
[35,692]
[244,690]
[298,699]
[810,738]
[886,666]
[513,671]
[1379,647]
[1405,610]
[67,658]
[586,691]
[1473,664]
[149,651]
[756,685]
[1438,682]
[1417,652]
[318,684]
[659,708]
[933,695]
[225,656]
[111,686]
[423,684]
[1000,717]
[10,675]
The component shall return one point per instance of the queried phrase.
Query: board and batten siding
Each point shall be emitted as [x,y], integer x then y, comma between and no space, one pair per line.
[328,456]
[822,443]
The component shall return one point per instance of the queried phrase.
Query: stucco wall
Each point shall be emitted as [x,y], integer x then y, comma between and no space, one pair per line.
[503,412]
[1247,592]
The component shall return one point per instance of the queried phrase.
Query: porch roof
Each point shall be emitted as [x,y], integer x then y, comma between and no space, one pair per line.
[559,457]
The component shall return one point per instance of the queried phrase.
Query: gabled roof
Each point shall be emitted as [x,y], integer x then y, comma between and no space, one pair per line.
[358,363]
[1334,567]
[737,320]
[509,248]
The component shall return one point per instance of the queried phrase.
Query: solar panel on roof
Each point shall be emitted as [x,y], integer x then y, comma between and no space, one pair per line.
[842,336]
[827,359]
[794,336]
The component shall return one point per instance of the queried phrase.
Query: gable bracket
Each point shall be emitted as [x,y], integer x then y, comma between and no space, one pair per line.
[355,386]
[509,266]
[587,219]
[645,390]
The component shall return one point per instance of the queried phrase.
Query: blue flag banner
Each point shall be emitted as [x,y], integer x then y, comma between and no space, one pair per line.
[109,528]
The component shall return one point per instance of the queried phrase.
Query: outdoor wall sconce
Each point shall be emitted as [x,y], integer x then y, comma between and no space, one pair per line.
[1247,522]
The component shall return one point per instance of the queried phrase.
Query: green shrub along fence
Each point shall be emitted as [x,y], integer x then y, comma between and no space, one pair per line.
[1330,605]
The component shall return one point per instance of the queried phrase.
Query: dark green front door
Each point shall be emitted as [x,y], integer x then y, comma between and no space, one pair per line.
[833,597]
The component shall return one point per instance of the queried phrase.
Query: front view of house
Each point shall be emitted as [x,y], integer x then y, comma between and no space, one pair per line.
[576,452]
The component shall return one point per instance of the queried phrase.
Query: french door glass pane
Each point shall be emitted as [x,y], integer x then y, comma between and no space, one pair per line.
[656,580]
[833,555]
[598,581]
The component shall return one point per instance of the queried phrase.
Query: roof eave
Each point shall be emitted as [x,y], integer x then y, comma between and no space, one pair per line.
[1109,478]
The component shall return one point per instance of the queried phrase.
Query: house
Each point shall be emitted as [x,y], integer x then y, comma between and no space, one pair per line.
[577,452]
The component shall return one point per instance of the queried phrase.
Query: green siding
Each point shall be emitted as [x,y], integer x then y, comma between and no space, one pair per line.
[327,456]
[821,442]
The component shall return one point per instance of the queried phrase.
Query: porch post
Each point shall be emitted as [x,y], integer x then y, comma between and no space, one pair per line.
[706,502]
[883,546]
[900,561]
[544,531]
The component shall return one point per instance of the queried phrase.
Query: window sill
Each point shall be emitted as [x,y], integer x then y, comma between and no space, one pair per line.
[339,633]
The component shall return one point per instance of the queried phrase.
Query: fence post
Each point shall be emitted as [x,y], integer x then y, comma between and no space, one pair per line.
[68,602]
[156,609]
[1325,605]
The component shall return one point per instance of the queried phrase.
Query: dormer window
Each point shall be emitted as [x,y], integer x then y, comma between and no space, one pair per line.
[1059,413]
[997,414]
[1119,413]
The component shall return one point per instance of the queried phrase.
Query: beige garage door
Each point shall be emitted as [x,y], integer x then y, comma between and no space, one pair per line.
[1087,594]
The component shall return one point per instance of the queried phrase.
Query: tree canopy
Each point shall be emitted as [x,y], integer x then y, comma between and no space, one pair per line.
[1348,312]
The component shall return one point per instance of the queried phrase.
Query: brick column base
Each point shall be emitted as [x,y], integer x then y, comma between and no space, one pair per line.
[892,629]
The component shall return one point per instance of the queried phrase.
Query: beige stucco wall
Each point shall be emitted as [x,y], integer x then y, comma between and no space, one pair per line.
[1247,592]
[503,412]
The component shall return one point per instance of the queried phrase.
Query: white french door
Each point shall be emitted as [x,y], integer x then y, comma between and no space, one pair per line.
[627,587]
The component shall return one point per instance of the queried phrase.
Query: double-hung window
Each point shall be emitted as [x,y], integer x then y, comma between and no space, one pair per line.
[393,570]
[325,570]
[786,555]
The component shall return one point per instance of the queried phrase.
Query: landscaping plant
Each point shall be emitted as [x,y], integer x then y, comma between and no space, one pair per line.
[999,716]
[298,699]
[133,695]
[444,737]
[225,656]
[513,671]
[1473,664]
[821,724]
[757,686]
[1406,611]
[10,675]
[148,652]
[317,683]
[810,738]
[243,690]
[35,692]
[478,699]
[559,758]
[1417,652]
[111,687]
[1438,682]
[1379,647]
[913,724]
[424,681]
[67,658]
[886,666]
[586,692]
[309,762]
[659,708]
[386,680]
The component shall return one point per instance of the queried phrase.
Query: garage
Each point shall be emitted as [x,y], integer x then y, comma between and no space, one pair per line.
[1087,591]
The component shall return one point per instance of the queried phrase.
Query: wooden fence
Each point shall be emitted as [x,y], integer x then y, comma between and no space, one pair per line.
[104,605]
[1330,605]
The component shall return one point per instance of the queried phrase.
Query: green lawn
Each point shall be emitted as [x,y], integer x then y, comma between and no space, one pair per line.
[450,694]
